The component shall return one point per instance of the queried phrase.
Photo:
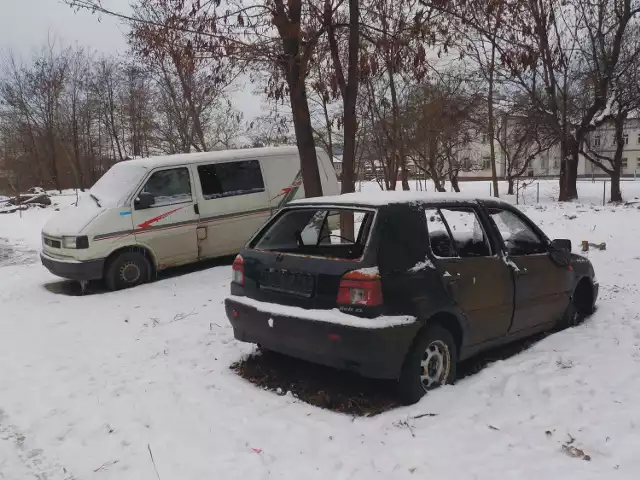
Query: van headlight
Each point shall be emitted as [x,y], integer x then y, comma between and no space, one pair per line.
[75,242]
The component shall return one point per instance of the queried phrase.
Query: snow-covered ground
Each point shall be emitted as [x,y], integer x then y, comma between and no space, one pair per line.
[136,384]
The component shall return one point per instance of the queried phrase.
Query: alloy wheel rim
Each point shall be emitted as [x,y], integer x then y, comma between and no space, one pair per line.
[435,365]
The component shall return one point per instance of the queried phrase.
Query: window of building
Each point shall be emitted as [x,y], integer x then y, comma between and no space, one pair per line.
[485,138]
[544,163]
[230,179]
[556,162]
[624,163]
[625,139]
[596,141]
[486,163]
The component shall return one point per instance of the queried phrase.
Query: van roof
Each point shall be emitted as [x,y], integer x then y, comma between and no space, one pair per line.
[384,197]
[212,156]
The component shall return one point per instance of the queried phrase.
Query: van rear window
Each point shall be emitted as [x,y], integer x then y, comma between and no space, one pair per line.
[316,231]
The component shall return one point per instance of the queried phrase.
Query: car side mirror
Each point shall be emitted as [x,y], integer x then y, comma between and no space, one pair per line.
[561,244]
[560,252]
[144,200]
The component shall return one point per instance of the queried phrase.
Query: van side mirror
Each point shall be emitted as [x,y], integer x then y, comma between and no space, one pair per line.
[144,200]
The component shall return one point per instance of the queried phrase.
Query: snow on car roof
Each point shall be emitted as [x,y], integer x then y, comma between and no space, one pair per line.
[385,197]
[213,156]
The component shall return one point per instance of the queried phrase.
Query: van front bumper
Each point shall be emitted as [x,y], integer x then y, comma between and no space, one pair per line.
[371,352]
[74,269]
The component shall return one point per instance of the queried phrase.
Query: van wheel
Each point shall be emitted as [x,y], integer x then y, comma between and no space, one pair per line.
[127,270]
[430,363]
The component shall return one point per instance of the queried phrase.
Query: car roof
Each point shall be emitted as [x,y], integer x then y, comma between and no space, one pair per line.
[212,156]
[381,198]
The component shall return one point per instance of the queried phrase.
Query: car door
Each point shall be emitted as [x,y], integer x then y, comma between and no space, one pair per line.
[234,204]
[168,225]
[476,278]
[542,286]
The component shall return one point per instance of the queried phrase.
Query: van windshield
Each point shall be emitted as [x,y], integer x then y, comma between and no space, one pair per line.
[316,231]
[119,181]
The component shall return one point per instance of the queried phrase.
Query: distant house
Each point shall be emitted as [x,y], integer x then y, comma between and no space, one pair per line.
[337,164]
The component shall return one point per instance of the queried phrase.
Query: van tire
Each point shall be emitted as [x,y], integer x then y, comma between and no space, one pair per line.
[410,384]
[126,270]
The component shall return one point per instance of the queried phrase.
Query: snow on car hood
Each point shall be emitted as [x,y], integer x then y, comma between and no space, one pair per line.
[72,220]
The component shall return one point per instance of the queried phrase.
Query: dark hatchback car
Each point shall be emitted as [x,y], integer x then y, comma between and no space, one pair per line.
[426,280]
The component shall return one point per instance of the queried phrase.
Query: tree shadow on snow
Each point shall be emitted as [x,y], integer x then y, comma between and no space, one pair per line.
[346,392]
[97,287]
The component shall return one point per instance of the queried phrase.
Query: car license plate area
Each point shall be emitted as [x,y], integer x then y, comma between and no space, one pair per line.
[292,283]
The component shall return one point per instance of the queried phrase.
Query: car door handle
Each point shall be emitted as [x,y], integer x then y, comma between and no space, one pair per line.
[453,278]
[196,208]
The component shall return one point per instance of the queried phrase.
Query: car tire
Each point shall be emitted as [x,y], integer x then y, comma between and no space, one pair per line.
[430,363]
[574,315]
[127,270]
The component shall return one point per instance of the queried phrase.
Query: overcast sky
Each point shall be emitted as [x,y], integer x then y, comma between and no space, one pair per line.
[25,25]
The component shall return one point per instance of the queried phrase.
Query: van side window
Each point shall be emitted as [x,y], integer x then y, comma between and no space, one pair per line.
[169,186]
[230,179]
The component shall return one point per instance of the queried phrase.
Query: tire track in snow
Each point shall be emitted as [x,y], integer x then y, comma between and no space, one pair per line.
[24,460]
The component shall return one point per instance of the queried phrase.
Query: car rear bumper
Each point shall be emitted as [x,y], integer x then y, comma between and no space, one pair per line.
[74,269]
[371,352]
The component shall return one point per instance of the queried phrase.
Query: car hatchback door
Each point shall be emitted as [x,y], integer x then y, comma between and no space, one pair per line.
[542,286]
[478,281]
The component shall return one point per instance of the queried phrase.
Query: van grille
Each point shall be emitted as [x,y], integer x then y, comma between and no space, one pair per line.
[50,242]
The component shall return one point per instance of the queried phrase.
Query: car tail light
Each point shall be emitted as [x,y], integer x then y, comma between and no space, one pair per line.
[358,288]
[237,270]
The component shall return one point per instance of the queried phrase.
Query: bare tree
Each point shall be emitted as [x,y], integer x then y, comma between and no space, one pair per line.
[440,128]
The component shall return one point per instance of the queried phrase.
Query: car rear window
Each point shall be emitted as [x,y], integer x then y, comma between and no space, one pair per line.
[316,231]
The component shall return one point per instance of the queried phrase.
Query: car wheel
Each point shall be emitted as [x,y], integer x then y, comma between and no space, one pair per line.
[430,363]
[127,270]
[577,310]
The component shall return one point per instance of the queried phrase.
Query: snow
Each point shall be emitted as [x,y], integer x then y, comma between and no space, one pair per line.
[376,198]
[114,187]
[426,263]
[369,271]
[71,220]
[90,386]
[326,316]
[213,156]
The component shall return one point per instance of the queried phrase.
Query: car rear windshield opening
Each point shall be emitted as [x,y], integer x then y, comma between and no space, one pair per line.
[316,231]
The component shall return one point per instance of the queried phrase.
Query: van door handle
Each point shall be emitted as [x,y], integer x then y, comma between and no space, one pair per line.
[196,208]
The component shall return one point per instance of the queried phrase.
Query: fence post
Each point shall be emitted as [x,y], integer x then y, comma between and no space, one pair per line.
[604,192]
[538,192]
[490,189]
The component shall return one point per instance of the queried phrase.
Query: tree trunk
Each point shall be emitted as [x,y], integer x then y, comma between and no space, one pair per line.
[491,126]
[350,120]
[453,178]
[438,184]
[616,194]
[304,135]
[511,182]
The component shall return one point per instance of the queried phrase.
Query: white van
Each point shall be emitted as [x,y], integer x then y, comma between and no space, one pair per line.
[149,214]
